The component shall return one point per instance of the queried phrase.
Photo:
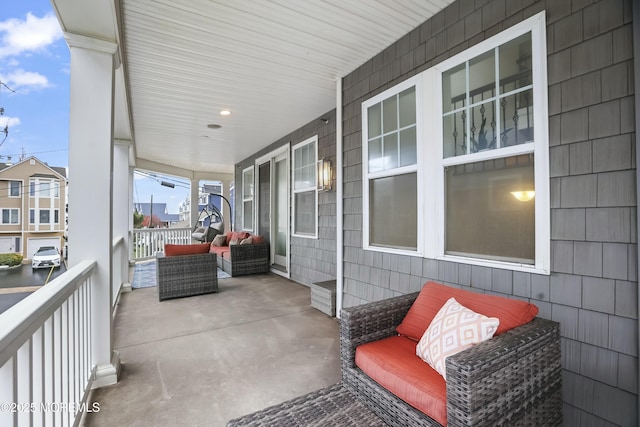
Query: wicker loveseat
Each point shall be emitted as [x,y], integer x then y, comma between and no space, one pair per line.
[238,258]
[513,378]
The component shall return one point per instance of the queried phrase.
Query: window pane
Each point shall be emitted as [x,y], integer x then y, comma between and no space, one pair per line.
[374,120]
[56,217]
[454,87]
[516,112]
[305,219]
[32,216]
[483,127]
[482,76]
[5,216]
[247,184]
[393,211]
[44,189]
[408,107]
[14,216]
[247,212]
[453,133]
[391,151]
[484,219]
[408,154]
[44,216]
[32,189]
[14,188]
[515,64]
[376,161]
[390,114]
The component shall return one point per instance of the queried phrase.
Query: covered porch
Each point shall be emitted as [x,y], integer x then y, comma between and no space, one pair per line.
[149,82]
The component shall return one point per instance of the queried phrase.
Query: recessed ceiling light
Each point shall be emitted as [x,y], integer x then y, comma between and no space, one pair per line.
[214,126]
[225,112]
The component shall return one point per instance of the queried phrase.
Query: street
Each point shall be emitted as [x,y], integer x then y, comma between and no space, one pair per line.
[16,284]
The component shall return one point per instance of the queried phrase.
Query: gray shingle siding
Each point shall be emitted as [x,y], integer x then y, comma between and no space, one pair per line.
[312,260]
[592,290]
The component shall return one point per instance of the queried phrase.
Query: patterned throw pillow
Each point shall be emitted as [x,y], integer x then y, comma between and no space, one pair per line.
[454,329]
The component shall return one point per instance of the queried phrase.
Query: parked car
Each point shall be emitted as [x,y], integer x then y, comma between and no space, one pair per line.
[46,257]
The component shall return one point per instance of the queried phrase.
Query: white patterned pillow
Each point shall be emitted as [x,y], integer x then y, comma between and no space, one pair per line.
[453,329]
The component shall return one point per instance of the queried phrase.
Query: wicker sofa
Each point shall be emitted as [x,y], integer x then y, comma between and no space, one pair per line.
[239,259]
[512,379]
[186,274]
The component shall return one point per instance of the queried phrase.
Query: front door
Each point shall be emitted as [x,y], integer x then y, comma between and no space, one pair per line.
[273,206]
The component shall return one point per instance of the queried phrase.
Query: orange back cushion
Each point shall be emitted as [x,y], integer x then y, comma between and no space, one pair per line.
[512,313]
[236,235]
[198,248]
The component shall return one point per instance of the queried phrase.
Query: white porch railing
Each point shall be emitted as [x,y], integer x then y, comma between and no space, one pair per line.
[120,272]
[45,353]
[146,242]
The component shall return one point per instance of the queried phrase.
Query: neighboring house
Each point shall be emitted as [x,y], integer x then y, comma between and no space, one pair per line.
[206,197]
[491,148]
[32,206]
[159,210]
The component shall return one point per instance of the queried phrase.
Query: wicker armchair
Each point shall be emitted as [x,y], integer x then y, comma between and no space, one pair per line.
[511,379]
[186,275]
[246,259]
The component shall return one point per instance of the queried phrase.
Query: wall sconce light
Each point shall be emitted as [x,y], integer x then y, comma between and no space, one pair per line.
[323,175]
[523,196]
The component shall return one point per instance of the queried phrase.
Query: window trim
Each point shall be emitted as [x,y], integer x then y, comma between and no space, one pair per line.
[248,199]
[417,82]
[313,187]
[9,223]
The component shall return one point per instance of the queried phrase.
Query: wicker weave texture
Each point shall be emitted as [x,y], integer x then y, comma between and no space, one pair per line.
[331,406]
[247,259]
[187,275]
[512,379]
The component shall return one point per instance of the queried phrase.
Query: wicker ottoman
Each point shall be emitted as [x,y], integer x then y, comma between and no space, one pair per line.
[331,406]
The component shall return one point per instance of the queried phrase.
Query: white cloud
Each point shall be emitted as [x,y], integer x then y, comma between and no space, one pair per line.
[11,121]
[29,35]
[21,79]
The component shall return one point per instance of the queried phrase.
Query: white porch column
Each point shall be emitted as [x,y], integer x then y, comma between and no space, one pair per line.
[122,215]
[91,187]
[195,192]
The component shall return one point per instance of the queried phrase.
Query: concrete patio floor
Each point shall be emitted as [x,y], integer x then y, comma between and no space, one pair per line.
[201,361]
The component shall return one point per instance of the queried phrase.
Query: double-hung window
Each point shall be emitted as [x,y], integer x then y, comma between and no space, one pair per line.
[492,159]
[390,168]
[11,216]
[484,157]
[305,195]
[247,199]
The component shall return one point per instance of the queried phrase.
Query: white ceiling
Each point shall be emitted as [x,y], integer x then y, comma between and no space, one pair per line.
[274,64]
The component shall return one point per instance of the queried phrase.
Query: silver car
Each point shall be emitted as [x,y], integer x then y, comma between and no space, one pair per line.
[46,257]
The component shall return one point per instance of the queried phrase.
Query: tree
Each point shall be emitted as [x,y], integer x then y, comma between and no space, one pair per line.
[138,219]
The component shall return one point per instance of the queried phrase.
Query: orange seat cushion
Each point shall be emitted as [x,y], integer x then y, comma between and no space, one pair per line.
[392,363]
[174,250]
[512,313]
[220,250]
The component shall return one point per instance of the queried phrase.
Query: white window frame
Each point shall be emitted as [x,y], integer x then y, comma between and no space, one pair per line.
[19,183]
[250,198]
[367,176]
[431,164]
[435,163]
[313,187]
[9,209]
